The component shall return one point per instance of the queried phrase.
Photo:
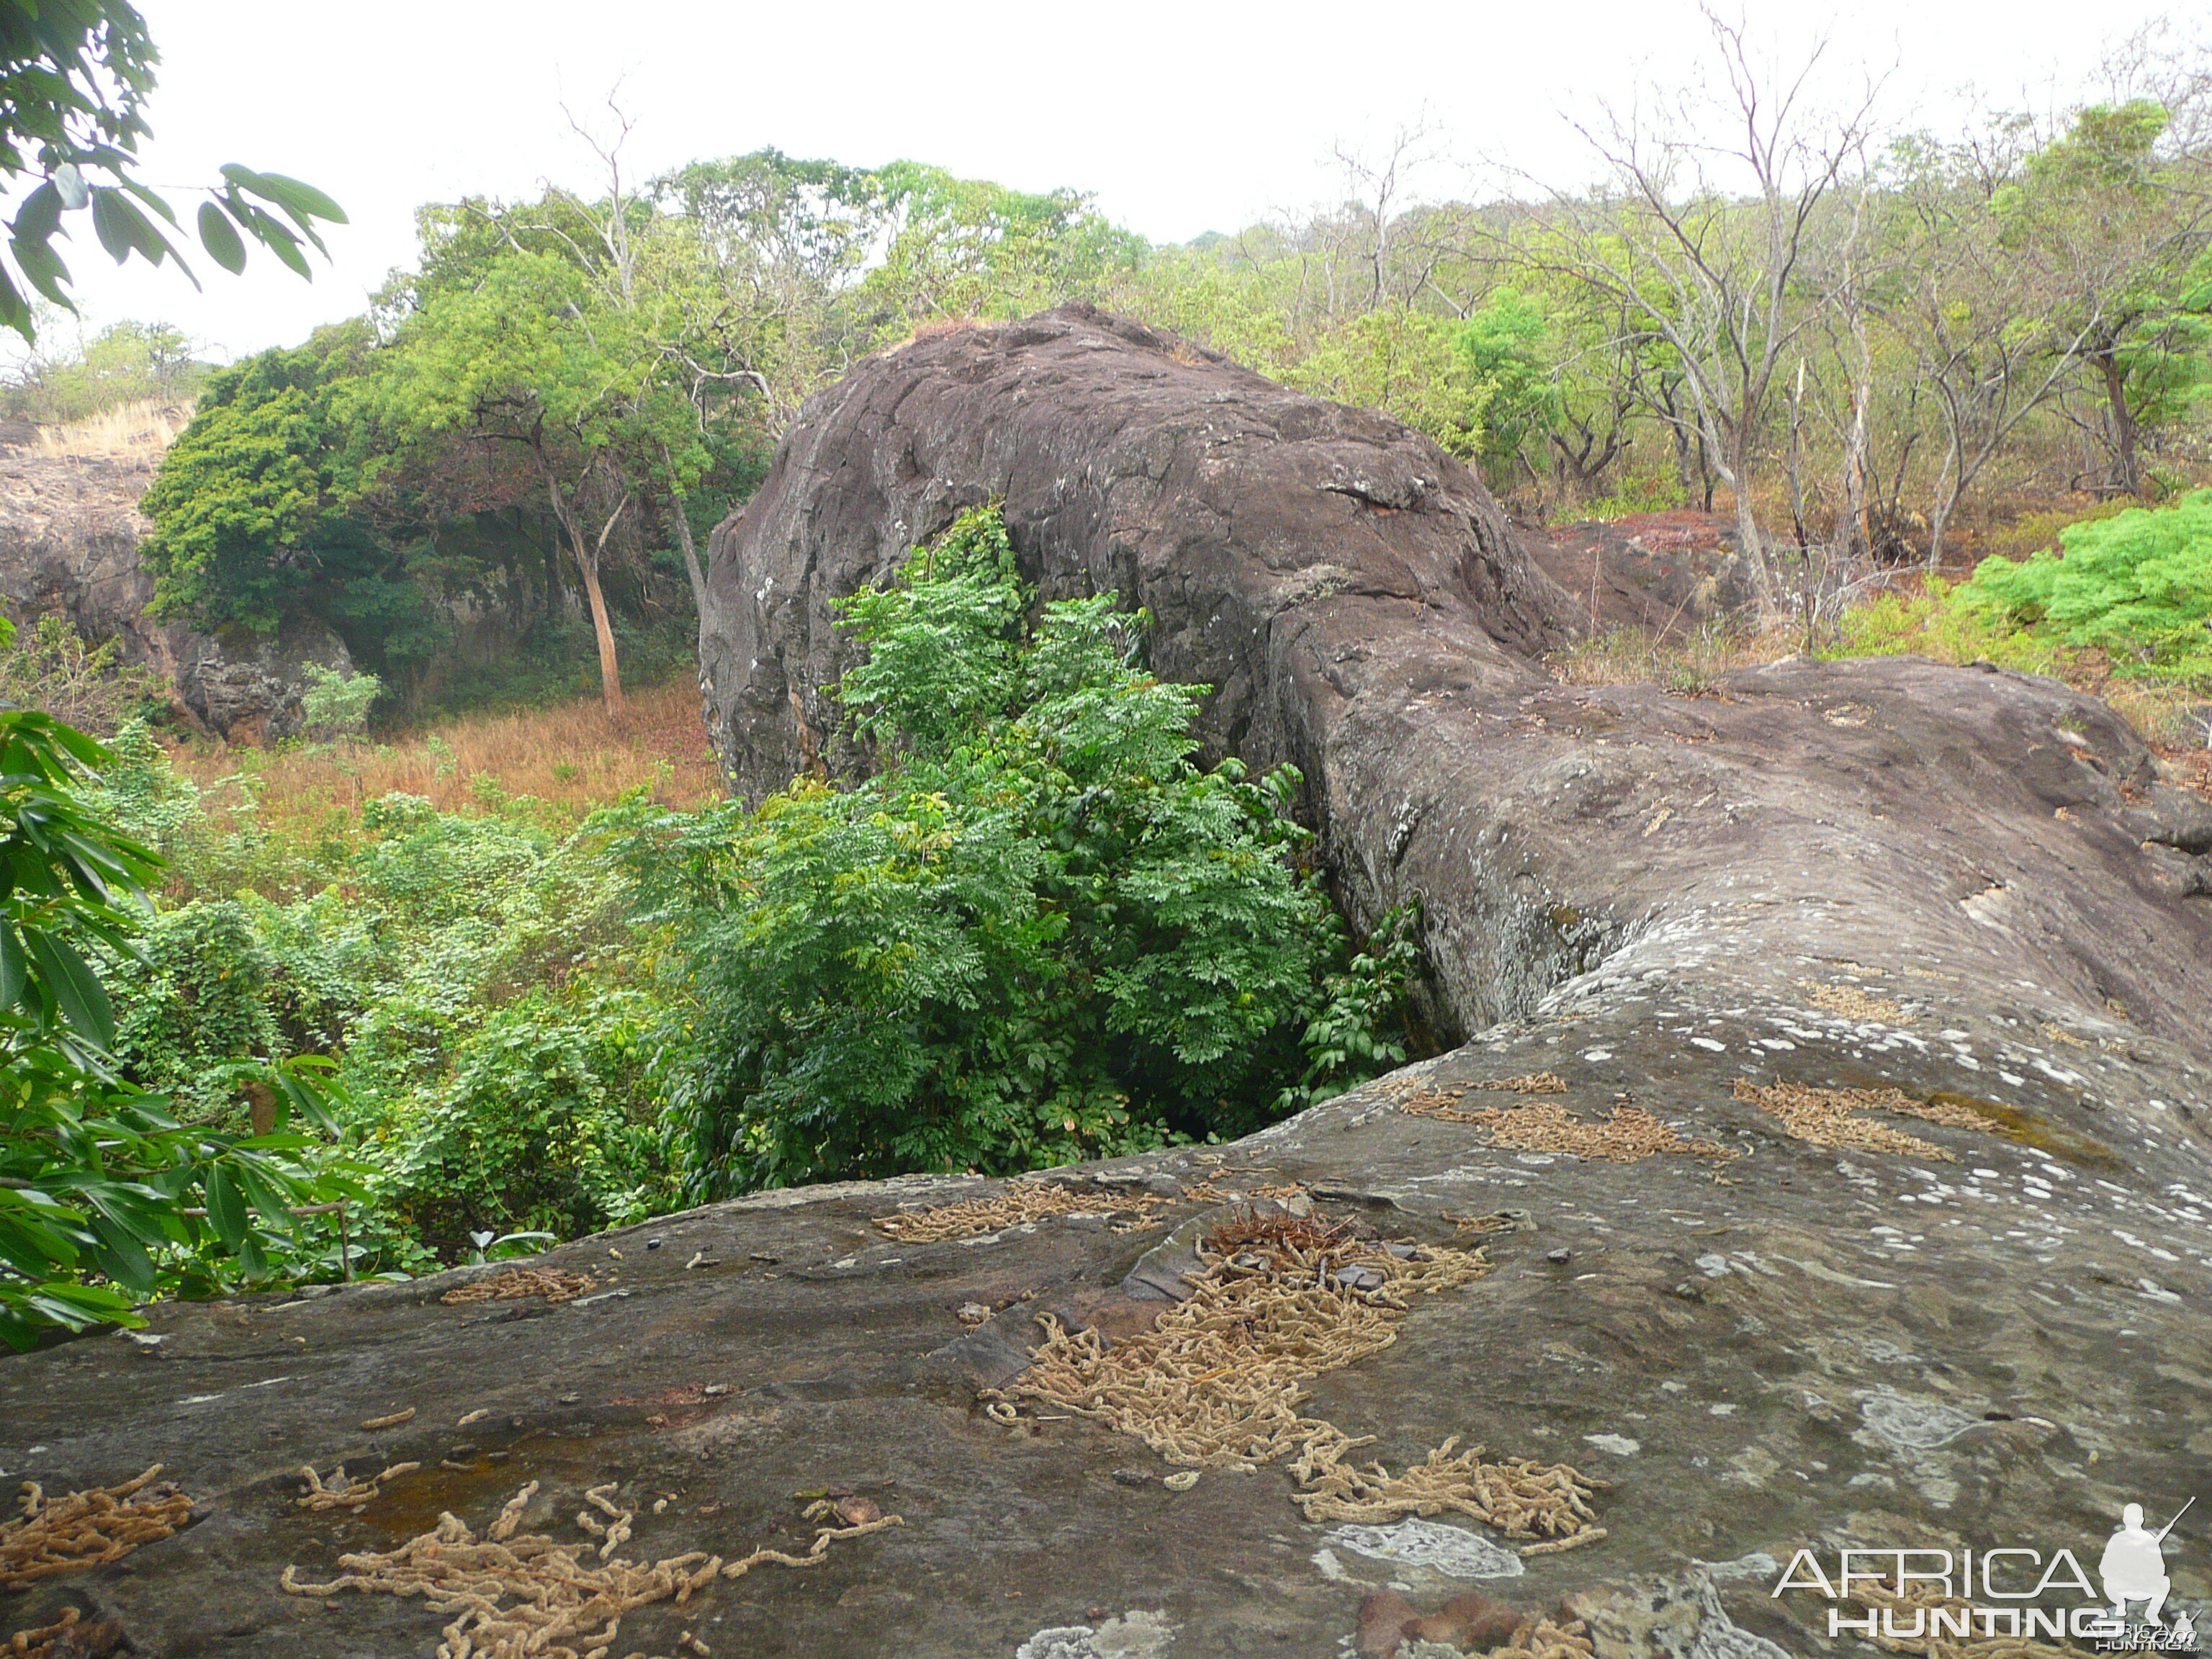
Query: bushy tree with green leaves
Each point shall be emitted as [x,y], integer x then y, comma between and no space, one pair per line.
[1040,932]
[2136,586]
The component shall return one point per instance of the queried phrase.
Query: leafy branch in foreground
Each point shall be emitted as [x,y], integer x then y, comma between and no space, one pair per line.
[74,75]
[105,1197]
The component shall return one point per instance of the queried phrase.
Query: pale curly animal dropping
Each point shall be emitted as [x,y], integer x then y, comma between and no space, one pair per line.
[87,1528]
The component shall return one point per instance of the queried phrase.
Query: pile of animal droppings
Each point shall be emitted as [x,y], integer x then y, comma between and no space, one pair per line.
[1218,1380]
[531,1598]
[1828,1117]
[337,1492]
[1021,1201]
[87,1528]
[1916,1613]
[553,1283]
[1849,1002]
[1629,1136]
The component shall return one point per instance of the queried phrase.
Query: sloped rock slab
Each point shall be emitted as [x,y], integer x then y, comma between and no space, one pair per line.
[1801,1343]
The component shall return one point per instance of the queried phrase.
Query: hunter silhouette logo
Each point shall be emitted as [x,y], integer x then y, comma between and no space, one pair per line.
[2134,1566]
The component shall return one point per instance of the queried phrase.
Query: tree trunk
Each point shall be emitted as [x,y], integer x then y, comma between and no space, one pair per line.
[587,566]
[609,670]
[1735,473]
[2130,476]
[691,566]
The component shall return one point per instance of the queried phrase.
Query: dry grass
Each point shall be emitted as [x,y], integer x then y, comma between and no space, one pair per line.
[141,430]
[1687,663]
[571,758]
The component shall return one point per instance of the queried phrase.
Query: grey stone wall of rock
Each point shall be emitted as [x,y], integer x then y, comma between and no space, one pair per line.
[70,530]
[1364,611]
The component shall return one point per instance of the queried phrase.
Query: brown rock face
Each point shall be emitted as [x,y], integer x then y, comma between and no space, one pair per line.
[70,530]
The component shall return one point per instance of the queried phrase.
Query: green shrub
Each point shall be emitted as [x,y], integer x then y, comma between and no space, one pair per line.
[106,1196]
[336,705]
[1041,933]
[2136,586]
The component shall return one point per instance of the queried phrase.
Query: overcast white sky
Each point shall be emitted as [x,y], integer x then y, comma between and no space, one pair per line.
[1181,116]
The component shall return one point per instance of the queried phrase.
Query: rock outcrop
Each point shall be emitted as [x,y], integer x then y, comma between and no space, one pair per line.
[1363,612]
[1834,1117]
[69,531]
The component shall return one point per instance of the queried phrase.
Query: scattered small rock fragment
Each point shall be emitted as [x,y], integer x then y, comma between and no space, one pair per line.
[1561,1257]
[1132,1477]
[1382,1619]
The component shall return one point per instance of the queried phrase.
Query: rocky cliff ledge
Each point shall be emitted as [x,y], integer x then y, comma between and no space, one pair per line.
[70,530]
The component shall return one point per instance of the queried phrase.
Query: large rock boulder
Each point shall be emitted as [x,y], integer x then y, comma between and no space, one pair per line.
[1835,1119]
[69,531]
[1364,610]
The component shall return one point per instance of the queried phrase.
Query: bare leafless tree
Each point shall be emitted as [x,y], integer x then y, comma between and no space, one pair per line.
[1701,231]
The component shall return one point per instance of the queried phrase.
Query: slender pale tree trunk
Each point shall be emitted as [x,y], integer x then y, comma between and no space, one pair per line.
[2124,422]
[692,567]
[586,556]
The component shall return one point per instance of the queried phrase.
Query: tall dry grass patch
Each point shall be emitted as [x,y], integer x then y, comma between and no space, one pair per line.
[143,429]
[570,759]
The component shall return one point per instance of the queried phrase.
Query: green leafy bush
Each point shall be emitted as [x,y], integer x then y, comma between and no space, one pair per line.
[336,705]
[106,1195]
[1041,933]
[2136,586]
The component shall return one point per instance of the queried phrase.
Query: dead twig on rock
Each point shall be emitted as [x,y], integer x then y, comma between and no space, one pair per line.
[87,1528]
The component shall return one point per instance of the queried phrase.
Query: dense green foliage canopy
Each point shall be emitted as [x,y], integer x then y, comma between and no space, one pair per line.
[2137,585]
[1041,933]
